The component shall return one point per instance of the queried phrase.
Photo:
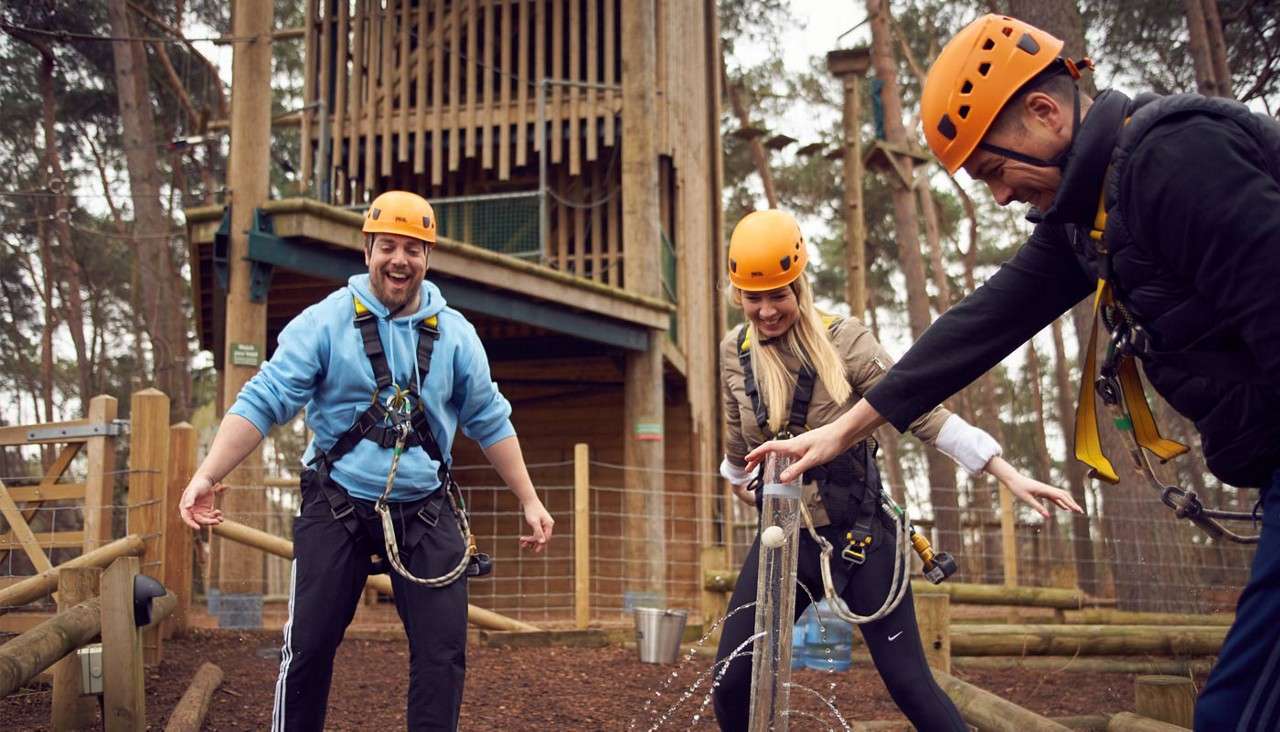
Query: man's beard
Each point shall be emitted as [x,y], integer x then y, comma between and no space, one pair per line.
[393,302]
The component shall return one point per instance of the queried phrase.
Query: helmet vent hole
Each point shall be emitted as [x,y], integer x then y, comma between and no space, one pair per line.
[964,112]
[1028,44]
[984,68]
[733,266]
[947,128]
[968,87]
[1007,30]
[989,44]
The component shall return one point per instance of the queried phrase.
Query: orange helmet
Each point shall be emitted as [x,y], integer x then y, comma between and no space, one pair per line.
[403,213]
[976,74]
[766,251]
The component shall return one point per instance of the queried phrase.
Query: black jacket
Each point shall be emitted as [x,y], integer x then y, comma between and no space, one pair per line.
[1199,265]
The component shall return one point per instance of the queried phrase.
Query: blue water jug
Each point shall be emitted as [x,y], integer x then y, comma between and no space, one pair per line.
[830,641]
[800,639]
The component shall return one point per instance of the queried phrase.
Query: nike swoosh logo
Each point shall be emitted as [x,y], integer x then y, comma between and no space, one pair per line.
[894,637]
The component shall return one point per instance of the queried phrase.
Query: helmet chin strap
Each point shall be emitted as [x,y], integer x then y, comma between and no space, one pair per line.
[1059,160]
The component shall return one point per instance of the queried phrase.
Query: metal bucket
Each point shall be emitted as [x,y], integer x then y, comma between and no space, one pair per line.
[658,634]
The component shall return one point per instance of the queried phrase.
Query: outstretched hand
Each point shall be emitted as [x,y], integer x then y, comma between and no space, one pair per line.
[536,516]
[1030,491]
[196,507]
[810,449]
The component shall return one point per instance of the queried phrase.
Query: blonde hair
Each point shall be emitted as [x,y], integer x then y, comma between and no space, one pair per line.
[808,340]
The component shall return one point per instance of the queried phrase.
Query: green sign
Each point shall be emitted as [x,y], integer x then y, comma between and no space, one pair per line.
[648,431]
[245,354]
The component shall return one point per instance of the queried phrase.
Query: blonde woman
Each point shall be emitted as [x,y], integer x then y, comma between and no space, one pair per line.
[790,368]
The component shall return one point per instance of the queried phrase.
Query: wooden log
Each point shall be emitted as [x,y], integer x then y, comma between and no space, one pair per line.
[25,656]
[1169,699]
[1096,640]
[1085,722]
[1085,664]
[1130,722]
[71,710]
[989,712]
[189,715]
[272,544]
[40,585]
[723,580]
[933,615]
[1111,616]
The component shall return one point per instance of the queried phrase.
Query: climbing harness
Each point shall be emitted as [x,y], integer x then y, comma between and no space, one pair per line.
[860,517]
[1120,387]
[399,422]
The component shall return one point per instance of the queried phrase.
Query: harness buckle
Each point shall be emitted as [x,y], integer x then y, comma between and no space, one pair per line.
[855,551]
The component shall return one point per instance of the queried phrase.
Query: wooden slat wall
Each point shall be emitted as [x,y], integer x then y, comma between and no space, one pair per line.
[309,91]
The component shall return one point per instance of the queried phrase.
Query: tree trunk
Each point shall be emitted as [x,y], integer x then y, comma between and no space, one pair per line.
[1217,48]
[1044,462]
[887,435]
[758,153]
[162,308]
[1198,46]
[942,475]
[1082,544]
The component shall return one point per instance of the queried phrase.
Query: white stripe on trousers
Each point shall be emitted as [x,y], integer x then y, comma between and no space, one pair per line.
[286,655]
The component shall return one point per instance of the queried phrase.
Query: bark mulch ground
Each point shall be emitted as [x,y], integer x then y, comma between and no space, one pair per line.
[555,688]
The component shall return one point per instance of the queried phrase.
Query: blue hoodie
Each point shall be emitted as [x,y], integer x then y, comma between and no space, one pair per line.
[320,363]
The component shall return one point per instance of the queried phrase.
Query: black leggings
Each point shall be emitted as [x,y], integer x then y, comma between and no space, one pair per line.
[894,640]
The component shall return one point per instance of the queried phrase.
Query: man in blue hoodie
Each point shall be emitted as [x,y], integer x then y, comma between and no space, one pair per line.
[376,464]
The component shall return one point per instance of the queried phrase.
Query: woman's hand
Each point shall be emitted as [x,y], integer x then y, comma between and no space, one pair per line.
[536,516]
[1029,490]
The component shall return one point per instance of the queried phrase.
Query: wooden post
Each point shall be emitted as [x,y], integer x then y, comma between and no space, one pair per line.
[933,615]
[641,242]
[850,65]
[124,700]
[241,568]
[148,479]
[582,534]
[99,479]
[71,711]
[1009,543]
[1169,699]
[177,535]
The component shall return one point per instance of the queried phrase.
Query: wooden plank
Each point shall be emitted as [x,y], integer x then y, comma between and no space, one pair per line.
[358,79]
[426,42]
[20,533]
[455,91]
[593,94]
[437,96]
[540,65]
[582,533]
[487,114]
[563,222]
[17,435]
[522,83]
[339,105]
[309,83]
[13,540]
[177,535]
[148,479]
[402,148]
[595,233]
[99,475]
[613,244]
[575,74]
[70,709]
[124,697]
[580,224]
[387,85]
[557,74]
[473,92]
[609,51]
[502,116]
[369,103]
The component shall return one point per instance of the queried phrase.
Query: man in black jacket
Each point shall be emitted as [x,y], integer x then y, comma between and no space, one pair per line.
[1174,203]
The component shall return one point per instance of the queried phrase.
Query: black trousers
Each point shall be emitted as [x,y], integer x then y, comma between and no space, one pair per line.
[330,566]
[894,641]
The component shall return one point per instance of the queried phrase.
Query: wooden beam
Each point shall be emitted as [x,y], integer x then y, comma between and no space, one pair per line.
[177,535]
[189,714]
[40,585]
[45,539]
[20,531]
[1130,722]
[582,534]
[39,648]
[1004,639]
[17,434]
[148,481]
[123,690]
[989,712]
[99,478]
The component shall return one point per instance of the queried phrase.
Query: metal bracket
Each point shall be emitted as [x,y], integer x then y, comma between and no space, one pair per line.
[222,251]
[261,232]
[109,429]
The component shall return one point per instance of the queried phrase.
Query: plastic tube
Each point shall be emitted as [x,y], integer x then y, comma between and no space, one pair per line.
[775,601]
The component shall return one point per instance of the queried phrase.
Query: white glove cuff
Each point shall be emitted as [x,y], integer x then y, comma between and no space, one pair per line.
[969,446]
[733,473]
